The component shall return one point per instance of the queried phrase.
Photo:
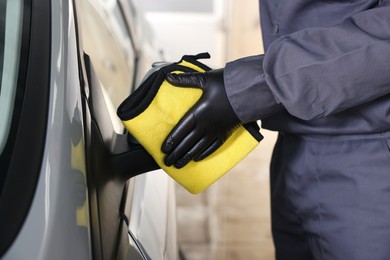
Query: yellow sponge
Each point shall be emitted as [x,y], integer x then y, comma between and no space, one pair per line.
[156,106]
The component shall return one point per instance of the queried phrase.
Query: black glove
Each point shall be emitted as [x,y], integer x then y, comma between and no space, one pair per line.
[206,126]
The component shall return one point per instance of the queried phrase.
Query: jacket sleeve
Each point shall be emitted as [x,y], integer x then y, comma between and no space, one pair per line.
[315,72]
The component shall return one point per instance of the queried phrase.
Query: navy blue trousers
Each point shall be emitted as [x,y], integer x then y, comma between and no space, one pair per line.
[330,197]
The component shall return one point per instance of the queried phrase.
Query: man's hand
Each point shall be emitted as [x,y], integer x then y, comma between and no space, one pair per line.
[206,126]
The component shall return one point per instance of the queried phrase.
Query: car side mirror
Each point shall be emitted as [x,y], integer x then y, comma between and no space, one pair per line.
[124,157]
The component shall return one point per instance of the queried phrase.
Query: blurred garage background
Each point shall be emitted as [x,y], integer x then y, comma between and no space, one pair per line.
[231,220]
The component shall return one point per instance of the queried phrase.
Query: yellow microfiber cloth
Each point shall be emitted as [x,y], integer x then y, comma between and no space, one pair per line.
[156,106]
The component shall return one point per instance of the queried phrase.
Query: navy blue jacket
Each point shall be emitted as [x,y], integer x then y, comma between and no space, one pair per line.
[326,68]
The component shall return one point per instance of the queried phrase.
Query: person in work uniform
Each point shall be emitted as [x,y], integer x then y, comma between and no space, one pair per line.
[324,84]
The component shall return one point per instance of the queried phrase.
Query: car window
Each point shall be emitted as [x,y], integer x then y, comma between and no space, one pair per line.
[106,40]
[11,12]
[24,101]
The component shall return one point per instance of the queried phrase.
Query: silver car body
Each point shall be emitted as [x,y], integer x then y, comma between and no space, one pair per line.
[58,223]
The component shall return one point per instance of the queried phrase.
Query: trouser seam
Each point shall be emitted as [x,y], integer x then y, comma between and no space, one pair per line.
[319,210]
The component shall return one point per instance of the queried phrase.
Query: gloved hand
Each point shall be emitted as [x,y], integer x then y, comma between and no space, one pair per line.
[206,126]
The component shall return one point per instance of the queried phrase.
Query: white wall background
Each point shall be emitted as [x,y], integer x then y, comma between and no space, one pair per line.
[189,27]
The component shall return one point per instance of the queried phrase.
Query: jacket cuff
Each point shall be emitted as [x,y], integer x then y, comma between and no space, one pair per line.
[247,90]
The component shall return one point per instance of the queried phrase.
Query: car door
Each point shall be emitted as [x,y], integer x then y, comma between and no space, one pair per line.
[43,203]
